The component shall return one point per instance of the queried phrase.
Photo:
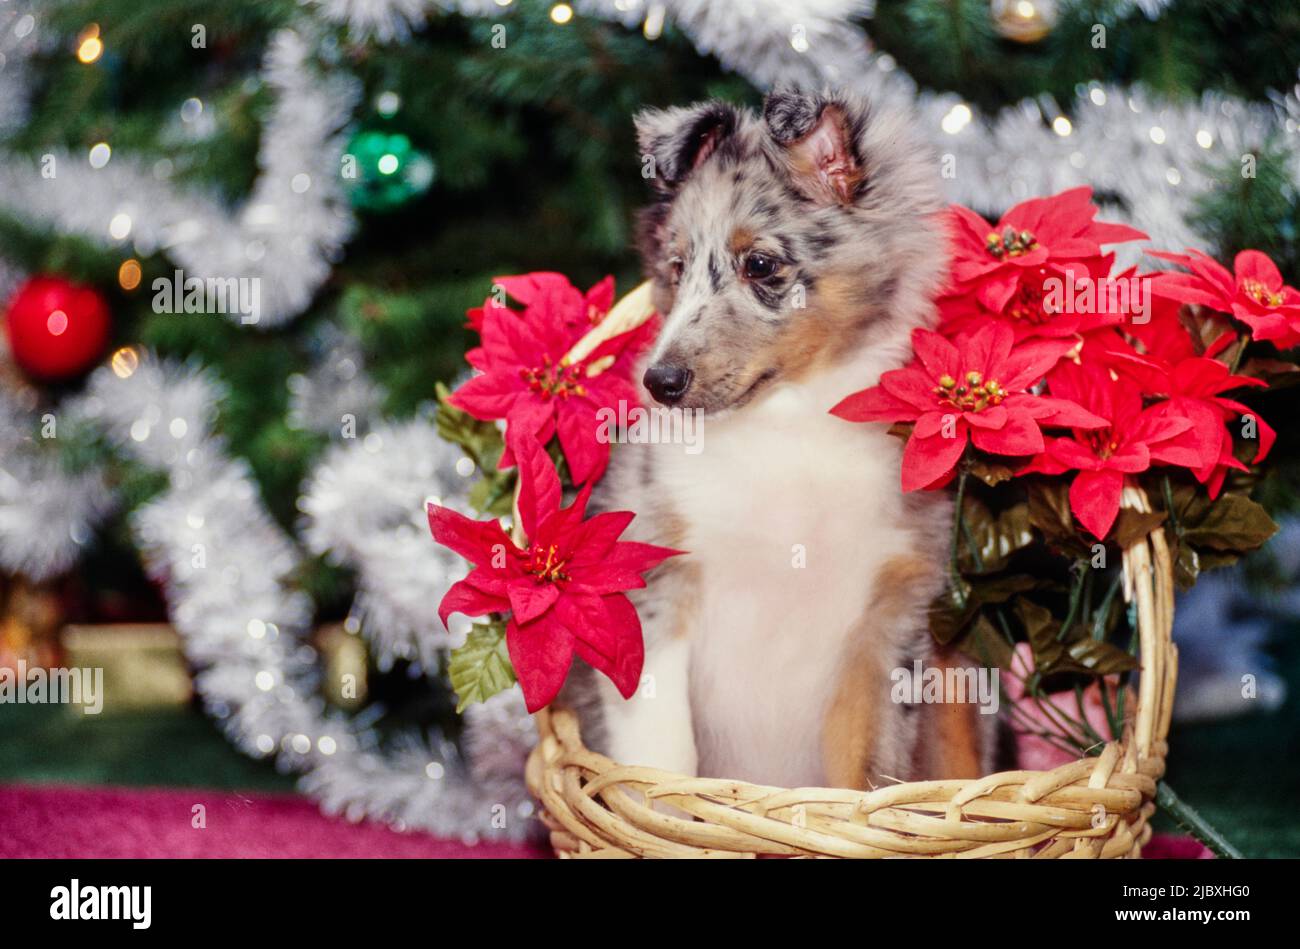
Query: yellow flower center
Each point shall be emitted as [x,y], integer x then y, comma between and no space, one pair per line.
[1010,243]
[974,394]
[1260,293]
[549,380]
[545,564]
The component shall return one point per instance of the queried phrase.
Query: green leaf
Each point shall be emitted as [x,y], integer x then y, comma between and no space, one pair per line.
[1049,511]
[1040,629]
[989,471]
[1187,567]
[995,538]
[481,440]
[986,644]
[1001,589]
[481,668]
[494,494]
[1232,523]
[1132,526]
[1099,658]
[950,614]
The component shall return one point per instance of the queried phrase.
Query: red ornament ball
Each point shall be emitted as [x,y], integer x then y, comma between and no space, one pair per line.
[56,329]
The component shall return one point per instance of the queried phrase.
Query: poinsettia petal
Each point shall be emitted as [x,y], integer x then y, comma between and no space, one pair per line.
[1030,362]
[461,597]
[1049,410]
[596,537]
[541,653]
[927,461]
[539,484]
[1019,436]
[529,599]
[1252,265]
[1267,435]
[476,541]
[1094,498]
[488,396]
[612,641]
[1110,232]
[937,355]
[995,290]
[910,385]
[600,298]
[995,416]
[874,405]
[1069,453]
[577,425]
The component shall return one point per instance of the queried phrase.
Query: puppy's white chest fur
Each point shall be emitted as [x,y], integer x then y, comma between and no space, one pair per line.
[789,514]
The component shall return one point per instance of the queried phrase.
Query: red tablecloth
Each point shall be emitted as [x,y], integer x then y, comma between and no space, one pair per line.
[109,822]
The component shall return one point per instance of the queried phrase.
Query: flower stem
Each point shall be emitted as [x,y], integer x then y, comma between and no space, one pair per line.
[958,584]
[1192,822]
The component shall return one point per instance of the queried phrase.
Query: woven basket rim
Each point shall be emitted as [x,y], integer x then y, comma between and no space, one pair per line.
[1093,807]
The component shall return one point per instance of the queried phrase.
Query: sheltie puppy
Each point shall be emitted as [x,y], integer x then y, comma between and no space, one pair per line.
[791,254]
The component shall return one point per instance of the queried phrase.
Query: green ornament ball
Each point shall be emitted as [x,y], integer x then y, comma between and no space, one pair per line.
[383,170]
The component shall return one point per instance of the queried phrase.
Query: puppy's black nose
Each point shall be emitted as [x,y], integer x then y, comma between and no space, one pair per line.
[667,383]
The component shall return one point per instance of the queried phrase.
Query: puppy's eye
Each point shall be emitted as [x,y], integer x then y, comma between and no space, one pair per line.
[759,266]
[675,267]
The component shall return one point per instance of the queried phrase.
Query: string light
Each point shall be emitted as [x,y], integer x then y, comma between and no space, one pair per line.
[128,274]
[1062,126]
[958,118]
[119,228]
[561,13]
[654,22]
[100,153]
[125,361]
[89,46]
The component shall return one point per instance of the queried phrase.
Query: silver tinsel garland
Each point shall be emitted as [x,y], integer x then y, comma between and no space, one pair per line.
[288,233]
[228,571]
[384,21]
[364,506]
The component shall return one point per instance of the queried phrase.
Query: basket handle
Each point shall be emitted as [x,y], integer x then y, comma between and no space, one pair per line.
[627,314]
[1149,582]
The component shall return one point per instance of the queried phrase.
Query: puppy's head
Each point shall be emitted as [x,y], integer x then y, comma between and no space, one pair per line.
[776,242]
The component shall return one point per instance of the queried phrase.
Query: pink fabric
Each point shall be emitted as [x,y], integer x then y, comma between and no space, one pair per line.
[1032,752]
[110,822]
[1174,847]
[70,822]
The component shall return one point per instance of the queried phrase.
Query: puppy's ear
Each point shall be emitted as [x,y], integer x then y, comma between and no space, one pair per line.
[674,142]
[818,138]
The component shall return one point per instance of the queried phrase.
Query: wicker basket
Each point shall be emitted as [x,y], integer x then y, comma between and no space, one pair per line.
[1095,807]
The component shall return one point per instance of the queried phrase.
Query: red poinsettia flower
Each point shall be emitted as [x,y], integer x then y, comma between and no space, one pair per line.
[526,378]
[1194,386]
[1134,439]
[1254,293]
[564,591]
[992,261]
[974,388]
[1049,301]
[552,292]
